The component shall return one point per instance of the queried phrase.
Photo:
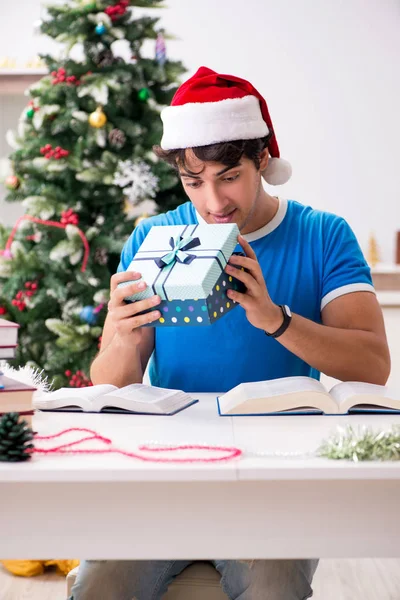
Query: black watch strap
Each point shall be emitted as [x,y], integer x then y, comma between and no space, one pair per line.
[287,317]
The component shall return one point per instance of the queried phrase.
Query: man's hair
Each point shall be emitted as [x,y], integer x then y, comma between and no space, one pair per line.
[226,153]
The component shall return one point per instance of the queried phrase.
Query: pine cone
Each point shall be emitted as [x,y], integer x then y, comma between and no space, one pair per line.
[105,58]
[101,256]
[15,436]
[117,138]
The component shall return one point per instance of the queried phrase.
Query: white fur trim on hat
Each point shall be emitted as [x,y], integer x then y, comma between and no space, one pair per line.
[201,124]
[278,171]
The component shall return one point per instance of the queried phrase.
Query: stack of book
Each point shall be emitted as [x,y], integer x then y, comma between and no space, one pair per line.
[15,396]
[8,339]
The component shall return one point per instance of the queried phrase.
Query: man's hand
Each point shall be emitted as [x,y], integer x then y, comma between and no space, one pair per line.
[124,317]
[125,346]
[260,310]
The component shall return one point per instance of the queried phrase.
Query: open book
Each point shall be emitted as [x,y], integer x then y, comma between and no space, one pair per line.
[135,398]
[304,395]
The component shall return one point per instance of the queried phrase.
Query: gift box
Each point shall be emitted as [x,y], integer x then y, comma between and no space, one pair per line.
[185,266]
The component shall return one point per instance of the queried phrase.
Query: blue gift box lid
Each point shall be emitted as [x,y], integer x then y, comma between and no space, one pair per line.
[181,262]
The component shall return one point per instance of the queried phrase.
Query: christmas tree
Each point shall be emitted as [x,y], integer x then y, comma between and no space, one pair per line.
[82,162]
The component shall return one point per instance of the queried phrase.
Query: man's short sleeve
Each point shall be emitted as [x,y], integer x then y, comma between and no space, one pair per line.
[345,269]
[131,246]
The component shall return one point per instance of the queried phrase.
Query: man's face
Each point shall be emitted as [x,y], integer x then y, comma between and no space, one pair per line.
[223,194]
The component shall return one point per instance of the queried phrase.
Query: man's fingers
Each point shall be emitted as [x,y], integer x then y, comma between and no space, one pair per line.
[249,281]
[240,298]
[250,265]
[125,326]
[248,250]
[123,291]
[121,277]
[133,308]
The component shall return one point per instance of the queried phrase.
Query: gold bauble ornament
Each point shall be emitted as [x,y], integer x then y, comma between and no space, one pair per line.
[127,207]
[141,218]
[98,118]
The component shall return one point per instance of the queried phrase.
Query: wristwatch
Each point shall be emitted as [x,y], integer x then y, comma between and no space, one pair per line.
[287,317]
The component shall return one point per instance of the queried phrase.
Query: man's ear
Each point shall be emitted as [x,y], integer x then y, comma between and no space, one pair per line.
[264,158]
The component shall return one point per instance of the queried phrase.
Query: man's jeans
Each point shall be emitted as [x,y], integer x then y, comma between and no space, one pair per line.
[149,580]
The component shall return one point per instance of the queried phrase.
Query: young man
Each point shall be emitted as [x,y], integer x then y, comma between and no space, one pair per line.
[309,306]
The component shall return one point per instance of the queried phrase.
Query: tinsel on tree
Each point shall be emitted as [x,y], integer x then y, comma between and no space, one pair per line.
[82,160]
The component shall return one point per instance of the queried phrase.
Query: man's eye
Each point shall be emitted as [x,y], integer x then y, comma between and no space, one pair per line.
[232,178]
[194,185]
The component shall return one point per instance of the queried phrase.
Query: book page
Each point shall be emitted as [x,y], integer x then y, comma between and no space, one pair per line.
[352,393]
[83,397]
[172,403]
[345,389]
[288,393]
[142,398]
[284,385]
[142,393]
[302,402]
[274,387]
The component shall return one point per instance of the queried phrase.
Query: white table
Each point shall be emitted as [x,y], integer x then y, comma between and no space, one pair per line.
[254,507]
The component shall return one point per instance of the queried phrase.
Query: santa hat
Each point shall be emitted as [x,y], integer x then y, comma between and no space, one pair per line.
[210,108]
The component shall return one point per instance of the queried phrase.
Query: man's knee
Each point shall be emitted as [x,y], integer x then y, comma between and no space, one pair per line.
[90,580]
[272,579]
[281,579]
[124,580]
[103,580]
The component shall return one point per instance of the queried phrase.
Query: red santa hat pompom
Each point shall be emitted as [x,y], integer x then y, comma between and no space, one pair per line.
[210,108]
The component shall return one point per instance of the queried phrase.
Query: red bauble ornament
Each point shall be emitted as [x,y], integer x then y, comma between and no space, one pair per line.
[12,182]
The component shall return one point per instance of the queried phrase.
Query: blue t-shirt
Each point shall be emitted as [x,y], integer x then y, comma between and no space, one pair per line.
[307,257]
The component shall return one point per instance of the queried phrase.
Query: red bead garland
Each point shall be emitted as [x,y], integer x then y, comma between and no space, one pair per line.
[105,446]
[6,253]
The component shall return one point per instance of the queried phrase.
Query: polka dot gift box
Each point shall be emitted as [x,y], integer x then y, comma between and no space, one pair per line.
[185,266]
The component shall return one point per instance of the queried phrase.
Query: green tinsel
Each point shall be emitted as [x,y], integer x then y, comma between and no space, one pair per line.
[363,444]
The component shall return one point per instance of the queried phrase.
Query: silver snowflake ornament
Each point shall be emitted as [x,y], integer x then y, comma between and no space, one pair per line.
[137,180]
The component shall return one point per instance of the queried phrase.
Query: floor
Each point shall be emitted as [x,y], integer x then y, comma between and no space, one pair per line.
[367,579]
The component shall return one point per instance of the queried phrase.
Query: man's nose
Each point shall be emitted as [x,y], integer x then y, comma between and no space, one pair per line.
[215,201]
